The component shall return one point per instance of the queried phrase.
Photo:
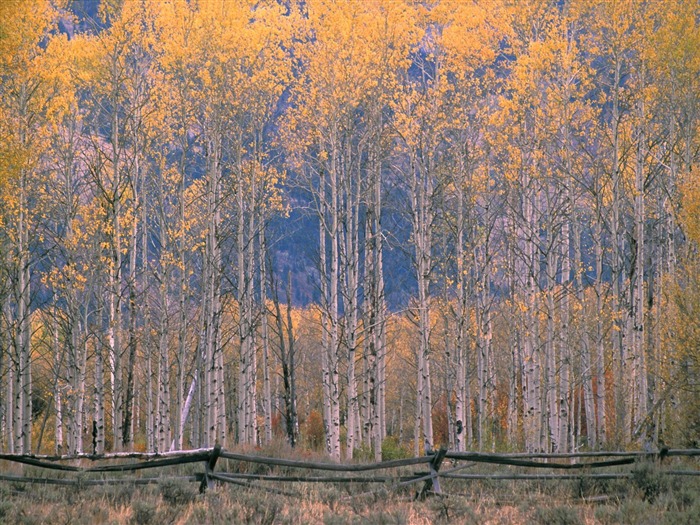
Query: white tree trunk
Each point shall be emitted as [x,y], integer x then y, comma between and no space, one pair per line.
[267,391]
[58,435]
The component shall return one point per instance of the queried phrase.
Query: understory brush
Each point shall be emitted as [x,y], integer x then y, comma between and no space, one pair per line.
[643,494]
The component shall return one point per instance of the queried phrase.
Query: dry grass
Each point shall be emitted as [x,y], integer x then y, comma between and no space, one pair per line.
[648,497]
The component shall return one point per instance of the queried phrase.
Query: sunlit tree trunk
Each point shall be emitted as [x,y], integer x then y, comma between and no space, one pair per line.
[531,348]
[639,365]
[463,320]
[620,344]
[349,201]
[212,310]
[374,306]
[588,360]
[246,373]
[600,379]
[422,218]
[162,423]
[180,413]
[265,334]
[127,426]
[334,348]
[58,402]
[5,370]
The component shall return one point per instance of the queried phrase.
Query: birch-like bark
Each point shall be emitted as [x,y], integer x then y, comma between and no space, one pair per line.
[162,424]
[565,356]
[552,360]
[191,394]
[244,330]
[349,200]
[77,356]
[639,366]
[587,359]
[532,416]
[325,319]
[463,320]
[375,310]
[600,379]
[5,369]
[58,402]
[24,372]
[180,413]
[267,389]
[127,436]
[422,218]
[285,334]
[11,417]
[620,351]
[221,417]
[487,392]
[99,397]
[252,379]
[211,312]
[291,383]
[334,339]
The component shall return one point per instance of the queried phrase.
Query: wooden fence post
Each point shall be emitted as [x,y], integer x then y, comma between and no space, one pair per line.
[433,484]
[207,481]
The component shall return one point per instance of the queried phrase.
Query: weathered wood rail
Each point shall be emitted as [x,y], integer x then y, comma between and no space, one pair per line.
[574,465]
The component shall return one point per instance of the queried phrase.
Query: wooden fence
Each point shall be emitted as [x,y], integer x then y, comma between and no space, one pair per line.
[556,467]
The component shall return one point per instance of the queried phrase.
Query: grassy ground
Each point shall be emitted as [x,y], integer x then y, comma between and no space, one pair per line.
[648,497]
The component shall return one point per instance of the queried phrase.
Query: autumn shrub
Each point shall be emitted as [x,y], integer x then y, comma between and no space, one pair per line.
[331,518]
[378,516]
[647,477]
[637,512]
[557,516]
[313,430]
[278,447]
[242,506]
[682,516]
[260,507]
[687,496]
[143,512]
[364,453]
[440,422]
[392,449]
[119,494]
[452,509]
[586,487]
[606,514]
[5,509]
[176,492]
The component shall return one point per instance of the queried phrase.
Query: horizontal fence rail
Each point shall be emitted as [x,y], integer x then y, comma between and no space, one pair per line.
[582,463]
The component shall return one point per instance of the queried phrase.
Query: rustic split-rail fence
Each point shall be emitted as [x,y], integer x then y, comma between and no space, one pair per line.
[237,469]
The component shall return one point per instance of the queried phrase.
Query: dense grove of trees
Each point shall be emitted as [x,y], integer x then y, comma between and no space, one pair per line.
[536,160]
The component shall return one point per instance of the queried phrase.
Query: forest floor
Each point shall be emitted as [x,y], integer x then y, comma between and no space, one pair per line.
[648,497]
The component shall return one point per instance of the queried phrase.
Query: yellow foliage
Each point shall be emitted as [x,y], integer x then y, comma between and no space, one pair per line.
[470,32]
[690,211]
[351,56]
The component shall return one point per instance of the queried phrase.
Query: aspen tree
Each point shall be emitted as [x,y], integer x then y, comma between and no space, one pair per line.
[526,177]
[265,337]
[243,59]
[469,37]
[351,52]
[612,38]
[69,254]
[544,154]
[674,64]
[284,328]
[176,64]
[420,134]
[24,27]
[116,87]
